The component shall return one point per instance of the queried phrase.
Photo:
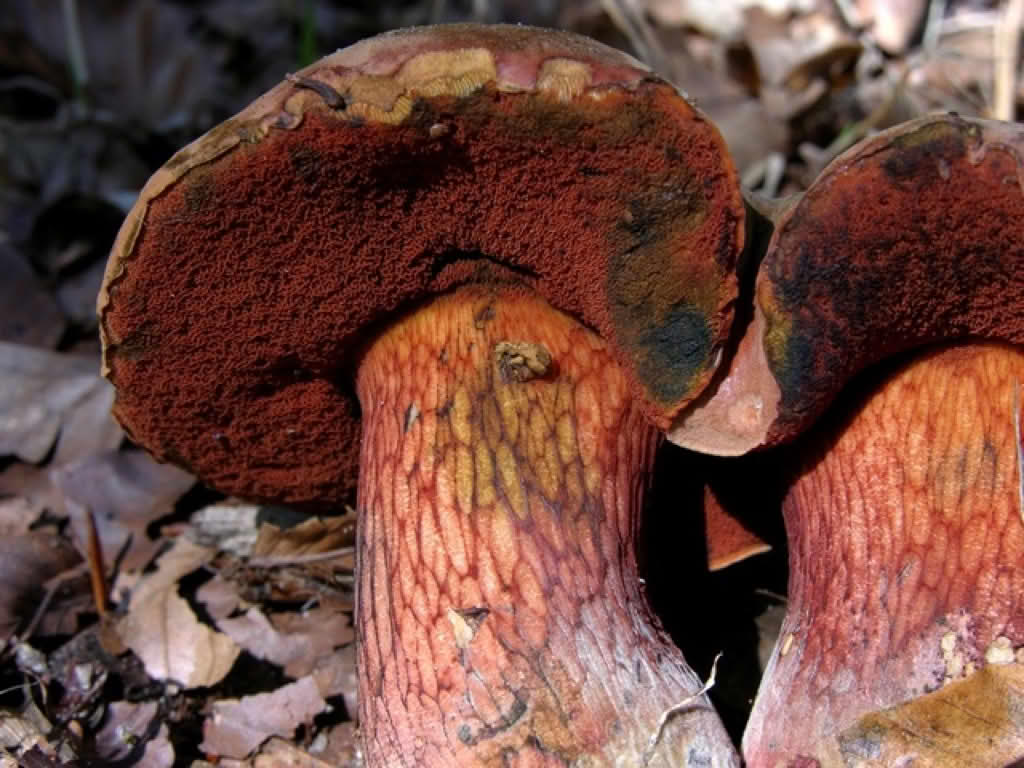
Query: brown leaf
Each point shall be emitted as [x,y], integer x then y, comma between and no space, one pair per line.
[792,53]
[336,676]
[280,754]
[976,721]
[239,726]
[295,641]
[165,633]
[311,536]
[133,730]
[26,562]
[126,491]
[40,394]
[219,596]
[343,749]
[30,315]
[27,491]
[893,23]
[228,526]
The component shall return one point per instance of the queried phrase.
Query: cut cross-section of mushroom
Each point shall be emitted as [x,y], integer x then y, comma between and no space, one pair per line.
[394,234]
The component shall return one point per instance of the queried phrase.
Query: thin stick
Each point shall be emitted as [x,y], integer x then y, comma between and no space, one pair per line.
[76,48]
[97,574]
[675,709]
[1007,51]
[314,557]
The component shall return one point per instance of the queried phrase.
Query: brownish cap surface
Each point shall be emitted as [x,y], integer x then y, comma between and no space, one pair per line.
[247,275]
[911,237]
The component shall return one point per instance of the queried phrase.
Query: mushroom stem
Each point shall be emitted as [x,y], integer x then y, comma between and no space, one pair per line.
[501,620]
[906,568]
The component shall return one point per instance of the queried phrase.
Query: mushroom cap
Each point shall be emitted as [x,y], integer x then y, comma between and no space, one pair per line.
[912,237]
[261,257]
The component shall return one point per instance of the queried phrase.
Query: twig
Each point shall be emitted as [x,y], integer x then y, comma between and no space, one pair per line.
[97,573]
[631,22]
[76,49]
[1007,50]
[933,25]
[314,557]
[52,586]
[676,709]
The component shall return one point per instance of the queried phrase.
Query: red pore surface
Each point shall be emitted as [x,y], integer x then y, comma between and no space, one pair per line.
[906,561]
[912,237]
[502,621]
[247,275]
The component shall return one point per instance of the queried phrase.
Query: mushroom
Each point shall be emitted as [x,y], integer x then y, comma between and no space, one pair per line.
[469,270]
[904,516]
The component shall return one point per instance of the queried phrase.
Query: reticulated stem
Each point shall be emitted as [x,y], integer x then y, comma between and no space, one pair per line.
[906,556]
[499,608]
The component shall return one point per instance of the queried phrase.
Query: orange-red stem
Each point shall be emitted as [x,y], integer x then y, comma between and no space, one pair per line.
[906,560]
[501,618]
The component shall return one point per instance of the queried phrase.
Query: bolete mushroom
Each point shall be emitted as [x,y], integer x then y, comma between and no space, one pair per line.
[905,519]
[483,264]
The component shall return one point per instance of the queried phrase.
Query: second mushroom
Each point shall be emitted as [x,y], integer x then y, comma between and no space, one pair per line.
[905,515]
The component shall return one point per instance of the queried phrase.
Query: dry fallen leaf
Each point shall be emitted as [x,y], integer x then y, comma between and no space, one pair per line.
[41,393]
[239,726]
[315,535]
[295,641]
[26,562]
[164,632]
[30,315]
[135,734]
[125,491]
[280,754]
[26,491]
[229,526]
[343,748]
[219,596]
[893,23]
[336,675]
[792,53]
[721,19]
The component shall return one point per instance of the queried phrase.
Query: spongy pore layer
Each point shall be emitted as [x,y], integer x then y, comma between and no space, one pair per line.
[236,316]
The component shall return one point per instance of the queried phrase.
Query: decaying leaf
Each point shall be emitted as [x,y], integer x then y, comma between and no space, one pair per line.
[277,753]
[125,491]
[239,726]
[229,526]
[30,315]
[343,748]
[336,675]
[26,492]
[718,18]
[164,632]
[135,733]
[315,535]
[975,721]
[26,563]
[219,596]
[41,394]
[294,641]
